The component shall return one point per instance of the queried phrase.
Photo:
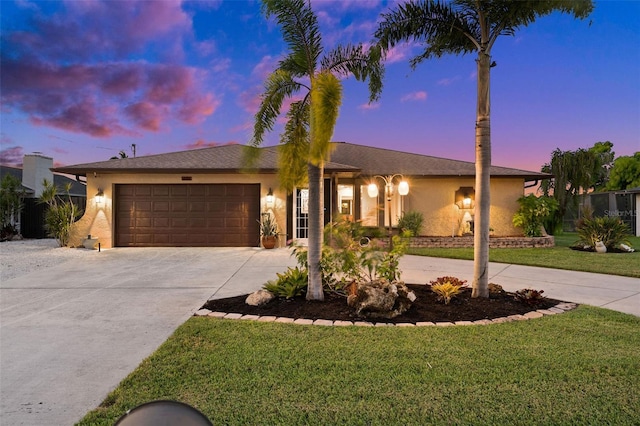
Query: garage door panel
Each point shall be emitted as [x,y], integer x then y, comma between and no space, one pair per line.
[187,215]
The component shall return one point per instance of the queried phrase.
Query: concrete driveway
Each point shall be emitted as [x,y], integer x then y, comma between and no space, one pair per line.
[70,333]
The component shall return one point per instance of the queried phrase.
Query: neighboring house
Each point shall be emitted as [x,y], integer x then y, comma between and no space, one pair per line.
[206,197]
[621,204]
[35,168]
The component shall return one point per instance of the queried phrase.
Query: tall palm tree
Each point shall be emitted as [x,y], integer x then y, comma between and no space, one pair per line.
[461,27]
[311,81]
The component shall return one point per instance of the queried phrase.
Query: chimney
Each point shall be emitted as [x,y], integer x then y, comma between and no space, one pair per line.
[35,168]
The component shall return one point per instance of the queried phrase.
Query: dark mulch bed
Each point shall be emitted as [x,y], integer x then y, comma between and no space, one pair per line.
[425,307]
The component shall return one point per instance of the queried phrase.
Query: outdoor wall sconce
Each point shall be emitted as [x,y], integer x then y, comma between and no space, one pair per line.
[270,197]
[389,190]
[464,197]
[100,197]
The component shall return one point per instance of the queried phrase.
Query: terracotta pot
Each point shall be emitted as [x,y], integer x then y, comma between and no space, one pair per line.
[269,242]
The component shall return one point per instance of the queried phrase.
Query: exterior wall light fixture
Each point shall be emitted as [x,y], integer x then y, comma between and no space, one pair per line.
[270,197]
[100,197]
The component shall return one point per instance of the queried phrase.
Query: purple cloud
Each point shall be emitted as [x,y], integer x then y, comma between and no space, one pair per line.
[72,71]
[414,96]
[11,156]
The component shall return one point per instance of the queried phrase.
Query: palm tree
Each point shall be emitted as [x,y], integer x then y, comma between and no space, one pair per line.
[311,81]
[461,27]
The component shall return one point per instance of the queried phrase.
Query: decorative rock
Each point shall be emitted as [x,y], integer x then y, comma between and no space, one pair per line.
[363,324]
[342,323]
[218,314]
[533,314]
[546,312]
[464,322]
[425,324]
[600,247]
[233,316]
[323,322]
[382,324]
[303,321]
[482,322]
[499,320]
[557,310]
[284,320]
[202,313]
[259,298]
[381,299]
[444,324]
[516,318]
[405,324]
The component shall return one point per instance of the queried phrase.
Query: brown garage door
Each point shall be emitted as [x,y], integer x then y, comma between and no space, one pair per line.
[189,215]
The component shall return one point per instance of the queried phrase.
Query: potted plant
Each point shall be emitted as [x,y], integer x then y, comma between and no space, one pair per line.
[268,231]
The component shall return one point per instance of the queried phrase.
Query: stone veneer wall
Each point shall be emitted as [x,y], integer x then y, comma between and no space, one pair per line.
[494,242]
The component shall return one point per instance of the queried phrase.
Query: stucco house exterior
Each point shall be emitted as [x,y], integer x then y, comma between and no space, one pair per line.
[206,197]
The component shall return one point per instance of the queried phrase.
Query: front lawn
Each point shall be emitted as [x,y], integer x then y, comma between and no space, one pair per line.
[558,257]
[581,367]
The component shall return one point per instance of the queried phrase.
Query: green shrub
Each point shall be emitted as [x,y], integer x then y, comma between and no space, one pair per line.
[289,284]
[61,214]
[411,222]
[11,196]
[610,230]
[533,213]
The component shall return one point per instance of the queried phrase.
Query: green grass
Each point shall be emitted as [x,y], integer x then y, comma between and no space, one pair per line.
[581,367]
[558,257]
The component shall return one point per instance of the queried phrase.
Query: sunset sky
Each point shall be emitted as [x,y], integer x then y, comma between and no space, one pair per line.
[82,80]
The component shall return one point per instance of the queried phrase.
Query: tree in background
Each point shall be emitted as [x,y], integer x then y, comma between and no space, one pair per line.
[461,27]
[310,79]
[625,173]
[575,172]
[11,203]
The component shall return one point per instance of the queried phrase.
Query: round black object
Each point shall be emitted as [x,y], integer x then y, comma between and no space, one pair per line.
[163,413]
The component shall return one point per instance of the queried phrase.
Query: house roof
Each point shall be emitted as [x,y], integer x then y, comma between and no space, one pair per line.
[380,161]
[218,159]
[78,189]
[346,157]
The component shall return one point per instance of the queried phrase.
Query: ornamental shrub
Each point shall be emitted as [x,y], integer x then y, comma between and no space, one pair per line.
[533,213]
[411,222]
[610,230]
[61,214]
[289,284]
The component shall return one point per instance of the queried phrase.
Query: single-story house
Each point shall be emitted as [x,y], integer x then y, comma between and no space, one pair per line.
[35,168]
[205,197]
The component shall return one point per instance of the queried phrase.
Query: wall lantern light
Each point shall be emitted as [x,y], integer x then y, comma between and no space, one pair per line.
[100,197]
[270,197]
[464,197]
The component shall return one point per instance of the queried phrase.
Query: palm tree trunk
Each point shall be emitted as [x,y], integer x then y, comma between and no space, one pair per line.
[483,192]
[316,222]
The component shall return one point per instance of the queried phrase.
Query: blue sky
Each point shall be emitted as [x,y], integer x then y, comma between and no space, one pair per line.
[82,80]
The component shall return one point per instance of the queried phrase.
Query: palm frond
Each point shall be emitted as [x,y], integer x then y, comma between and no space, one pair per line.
[435,24]
[293,152]
[278,86]
[359,62]
[300,31]
[326,98]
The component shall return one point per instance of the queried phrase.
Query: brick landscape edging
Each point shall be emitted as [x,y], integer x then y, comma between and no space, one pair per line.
[558,309]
